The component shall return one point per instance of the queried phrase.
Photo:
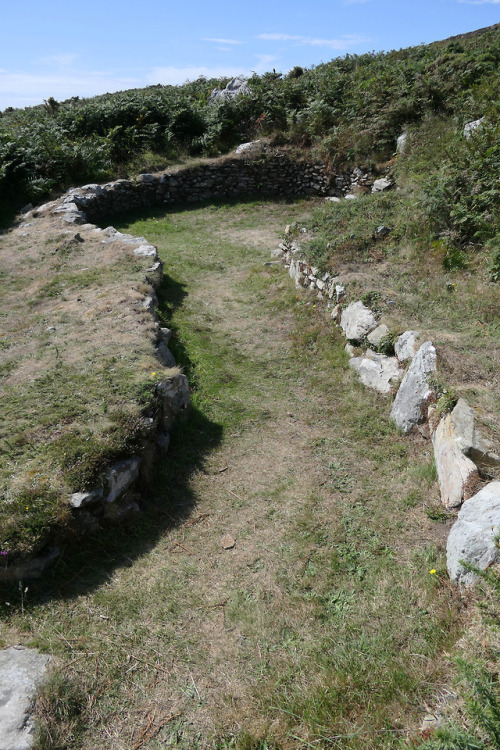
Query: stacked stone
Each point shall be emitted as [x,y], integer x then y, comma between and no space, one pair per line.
[464,459]
[274,175]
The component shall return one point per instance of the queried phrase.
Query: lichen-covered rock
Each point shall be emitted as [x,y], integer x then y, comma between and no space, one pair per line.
[410,405]
[357,321]
[121,476]
[458,475]
[234,88]
[148,251]
[379,333]
[80,499]
[472,537]
[252,147]
[382,184]
[21,672]
[405,345]
[175,399]
[471,127]
[32,568]
[154,274]
[165,355]
[401,143]
[377,371]
[469,438]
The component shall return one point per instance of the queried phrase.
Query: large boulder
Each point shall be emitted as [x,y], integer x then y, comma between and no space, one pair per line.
[357,321]
[410,405]
[458,475]
[21,672]
[234,88]
[377,371]
[472,537]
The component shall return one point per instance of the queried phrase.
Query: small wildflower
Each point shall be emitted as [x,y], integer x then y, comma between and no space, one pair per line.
[4,553]
[432,572]
[153,374]
[27,507]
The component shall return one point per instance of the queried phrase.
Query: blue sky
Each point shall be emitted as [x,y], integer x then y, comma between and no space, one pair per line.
[61,48]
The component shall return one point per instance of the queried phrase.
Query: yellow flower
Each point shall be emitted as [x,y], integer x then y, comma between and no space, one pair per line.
[153,374]
[432,572]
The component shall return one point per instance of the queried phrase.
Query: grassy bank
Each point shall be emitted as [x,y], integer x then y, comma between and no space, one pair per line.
[76,359]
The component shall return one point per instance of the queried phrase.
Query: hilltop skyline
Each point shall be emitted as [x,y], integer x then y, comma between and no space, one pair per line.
[60,52]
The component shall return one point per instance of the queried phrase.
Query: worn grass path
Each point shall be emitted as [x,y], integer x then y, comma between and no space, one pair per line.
[278,595]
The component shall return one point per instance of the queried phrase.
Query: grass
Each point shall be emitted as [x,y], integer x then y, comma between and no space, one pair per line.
[322,626]
[68,400]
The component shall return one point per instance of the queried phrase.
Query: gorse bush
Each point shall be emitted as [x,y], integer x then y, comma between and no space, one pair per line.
[464,197]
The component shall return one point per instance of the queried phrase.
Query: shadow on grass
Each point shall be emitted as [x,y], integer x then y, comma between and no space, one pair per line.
[8,216]
[169,501]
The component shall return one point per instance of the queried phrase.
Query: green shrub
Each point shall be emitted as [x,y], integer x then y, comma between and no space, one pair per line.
[494,264]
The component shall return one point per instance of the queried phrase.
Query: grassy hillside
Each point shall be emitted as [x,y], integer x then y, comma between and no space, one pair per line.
[349,110]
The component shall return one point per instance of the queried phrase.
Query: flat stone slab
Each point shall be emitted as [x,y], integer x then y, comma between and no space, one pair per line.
[21,672]
[472,537]
[357,321]
[377,371]
[409,407]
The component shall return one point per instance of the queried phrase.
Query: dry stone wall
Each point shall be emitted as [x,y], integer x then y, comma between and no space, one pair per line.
[463,457]
[269,175]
